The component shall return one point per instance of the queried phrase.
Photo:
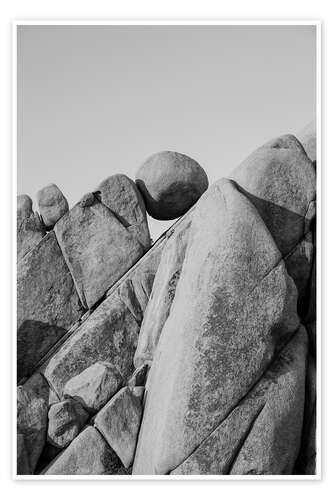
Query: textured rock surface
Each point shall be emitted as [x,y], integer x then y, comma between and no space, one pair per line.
[52,205]
[227,331]
[121,195]
[47,303]
[30,231]
[280,181]
[170,184]
[138,379]
[308,137]
[110,332]
[97,247]
[77,460]
[66,419]
[31,427]
[163,292]
[24,206]
[245,441]
[119,423]
[94,386]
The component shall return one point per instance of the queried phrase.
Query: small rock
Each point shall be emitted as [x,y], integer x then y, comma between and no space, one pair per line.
[94,386]
[31,425]
[52,205]
[139,376]
[87,200]
[170,184]
[24,206]
[66,419]
[119,423]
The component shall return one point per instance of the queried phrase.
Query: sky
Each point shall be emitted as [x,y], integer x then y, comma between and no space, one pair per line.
[93,101]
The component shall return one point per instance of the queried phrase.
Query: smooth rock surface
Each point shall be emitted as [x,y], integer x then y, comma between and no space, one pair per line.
[75,460]
[121,195]
[308,137]
[66,419]
[52,205]
[47,303]
[31,427]
[234,308]
[94,386]
[98,249]
[119,423]
[280,181]
[170,184]
[163,292]
[276,404]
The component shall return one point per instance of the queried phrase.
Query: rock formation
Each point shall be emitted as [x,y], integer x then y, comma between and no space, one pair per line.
[196,355]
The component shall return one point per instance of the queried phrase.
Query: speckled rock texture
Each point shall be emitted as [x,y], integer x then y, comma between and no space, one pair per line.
[52,205]
[308,137]
[170,184]
[65,420]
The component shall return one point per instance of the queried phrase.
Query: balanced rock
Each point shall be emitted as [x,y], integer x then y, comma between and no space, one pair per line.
[119,423]
[170,184]
[94,386]
[52,205]
[66,419]
[30,228]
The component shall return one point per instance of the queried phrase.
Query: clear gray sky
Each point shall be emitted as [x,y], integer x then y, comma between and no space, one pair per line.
[98,100]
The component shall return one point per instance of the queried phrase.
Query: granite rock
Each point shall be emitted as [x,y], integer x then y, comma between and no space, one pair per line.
[66,419]
[170,184]
[47,303]
[52,205]
[308,137]
[119,423]
[94,386]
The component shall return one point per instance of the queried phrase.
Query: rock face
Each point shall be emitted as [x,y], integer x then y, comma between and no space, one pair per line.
[24,206]
[119,423]
[87,454]
[30,231]
[163,292]
[121,195]
[196,356]
[52,205]
[31,428]
[97,247]
[170,184]
[66,419]
[308,137]
[47,303]
[227,331]
[94,386]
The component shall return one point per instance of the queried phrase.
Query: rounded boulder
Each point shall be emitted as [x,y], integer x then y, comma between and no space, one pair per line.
[170,184]
[52,205]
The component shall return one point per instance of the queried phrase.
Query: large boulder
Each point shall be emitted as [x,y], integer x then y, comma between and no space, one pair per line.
[308,137]
[163,292]
[66,419]
[280,181]
[94,386]
[24,206]
[47,303]
[245,441]
[31,428]
[88,454]
[234,309]
[30,229]
[119,423]
[52,205]
[98,247]
[170,184]
[121,195]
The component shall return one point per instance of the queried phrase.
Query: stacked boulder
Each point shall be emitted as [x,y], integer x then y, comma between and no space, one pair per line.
[196,356]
